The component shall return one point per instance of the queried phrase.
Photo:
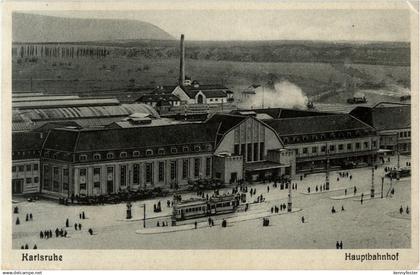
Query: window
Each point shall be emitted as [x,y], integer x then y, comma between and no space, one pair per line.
[256,152]
[110,179]
[185,149]
[97,156]
[185,168]
[36,179]
[243,150]
[197,164]
[409,133]
[218,175]
[36,167]
[262,150]
[161,151]
[13,168]
[136,154]
[96,177]
[286,140]
[249,152]
[305,150]
[149,172]
[173,170]
[136,174]
[208,166]
[28,167]
[209,147]
[357,145]
[110,156]
[123,154]
[161,171]
[123,175]
[47,178]
[340,147]
[65,179]
[236,149]
[21,168]
[314,149]
[332,147]
[149,152]
[405,134]
[197,148]
[374,144]
[174,150]
[82,173]
[82,157]
[349,147]
[28,180]
[365,145]
[323,148]
[401,134]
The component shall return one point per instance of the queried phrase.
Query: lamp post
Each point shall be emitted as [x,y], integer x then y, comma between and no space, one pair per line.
[382,187]
[372,187]
[289,199]
[327,172]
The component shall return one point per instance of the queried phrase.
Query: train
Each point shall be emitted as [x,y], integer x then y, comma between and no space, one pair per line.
[199,208]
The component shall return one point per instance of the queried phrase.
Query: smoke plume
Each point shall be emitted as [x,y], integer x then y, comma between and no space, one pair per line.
[285,94]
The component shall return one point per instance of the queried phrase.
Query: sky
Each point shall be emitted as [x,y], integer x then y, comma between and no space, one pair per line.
[330,25]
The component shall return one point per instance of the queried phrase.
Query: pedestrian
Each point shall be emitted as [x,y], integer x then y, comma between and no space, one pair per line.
[407,210]
[90,231]
[50,233]
[209,220]
[67,222]
[83,215]
[35,247]
[341,244]
[351,177]
[27,217]
[80,226]
[309,189]
[354,190]
[337,245]
[157,224]
[195,224]
[30,216]
[80,215]
[345,192]
[22,247]
[16,210]
[338,179]
[272,210]
[316,188]
[320,188]
[65,234]
[401,210]
[342,208]
[75,226]
[303,219]
[41,235]
[26,246]
[268,188]
[332,210]
[56,232]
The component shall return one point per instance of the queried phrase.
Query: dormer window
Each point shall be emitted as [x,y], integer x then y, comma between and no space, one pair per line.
[136,153]
[82,157]
[161,151]
[286,140]
[209,147]
[174,150]
[110,156]
[149,152]
[123,154]
[185,149]
[197,148]
[97,156]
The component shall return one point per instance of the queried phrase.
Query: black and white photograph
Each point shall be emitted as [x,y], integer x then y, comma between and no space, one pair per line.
[205,129]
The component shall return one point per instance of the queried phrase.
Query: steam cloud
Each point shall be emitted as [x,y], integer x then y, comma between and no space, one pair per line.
[285,94]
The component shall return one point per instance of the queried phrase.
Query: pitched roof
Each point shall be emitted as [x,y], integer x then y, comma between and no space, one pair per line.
[226,122]
[284,112]
[210,91]
[316,124]
[25,141]
[112,139]
[383,117]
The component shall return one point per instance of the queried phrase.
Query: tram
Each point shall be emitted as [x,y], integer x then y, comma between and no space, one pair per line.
[198,208]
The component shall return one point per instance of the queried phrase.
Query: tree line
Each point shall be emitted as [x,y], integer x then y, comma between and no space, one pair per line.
[34,50]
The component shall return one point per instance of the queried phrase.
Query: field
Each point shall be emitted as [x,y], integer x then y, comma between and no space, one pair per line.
[78,75]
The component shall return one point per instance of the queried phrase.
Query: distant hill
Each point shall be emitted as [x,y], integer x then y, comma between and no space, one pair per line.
[40,28]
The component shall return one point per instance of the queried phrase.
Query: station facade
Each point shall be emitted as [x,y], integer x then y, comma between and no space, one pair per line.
[225,147]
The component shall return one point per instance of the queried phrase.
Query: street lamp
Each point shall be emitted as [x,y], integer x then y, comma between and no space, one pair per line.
[289,200]
[327,172]
[372,187]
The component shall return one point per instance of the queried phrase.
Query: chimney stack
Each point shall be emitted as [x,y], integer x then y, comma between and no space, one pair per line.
[181,63]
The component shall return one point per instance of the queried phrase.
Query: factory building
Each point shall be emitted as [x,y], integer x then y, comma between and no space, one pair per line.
[392,122]
[225,147]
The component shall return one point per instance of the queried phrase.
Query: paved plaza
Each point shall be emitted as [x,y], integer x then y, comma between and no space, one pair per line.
[375,223]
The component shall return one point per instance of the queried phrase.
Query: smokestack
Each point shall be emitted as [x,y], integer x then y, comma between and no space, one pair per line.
[181,63]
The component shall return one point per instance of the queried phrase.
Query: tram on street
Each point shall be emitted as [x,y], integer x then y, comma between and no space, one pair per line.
[198,208]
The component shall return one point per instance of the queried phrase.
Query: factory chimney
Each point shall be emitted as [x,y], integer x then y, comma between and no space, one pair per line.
[181,62]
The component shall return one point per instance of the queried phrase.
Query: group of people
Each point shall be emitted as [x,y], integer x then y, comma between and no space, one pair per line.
[407,210]
[320,189]
[158,224]
[211,222]
[46,234]
[276,209]
[266,222]
[157,208]
[339,245]
[29,216]
[26,246]
[333,211]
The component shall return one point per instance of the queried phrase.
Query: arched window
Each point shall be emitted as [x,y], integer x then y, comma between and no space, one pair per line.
[97,156]
[136,153]
[149,152]
[110,155]
[123,154]
[174,150]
